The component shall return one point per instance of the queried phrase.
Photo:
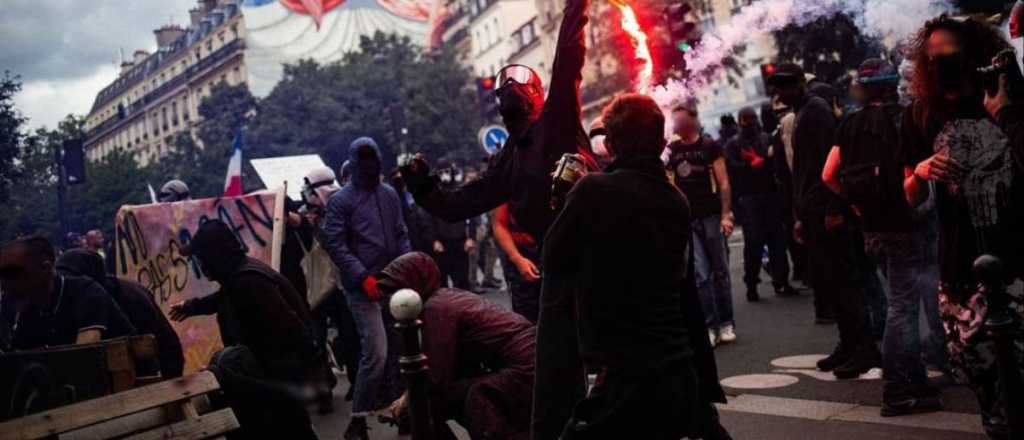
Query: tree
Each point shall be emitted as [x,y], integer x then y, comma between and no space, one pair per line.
[11,122]
[828,48]
[388,85]
[200,157]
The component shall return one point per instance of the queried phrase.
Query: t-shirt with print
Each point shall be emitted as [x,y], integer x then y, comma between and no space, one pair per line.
[691,166]
[81,305]
[982,212]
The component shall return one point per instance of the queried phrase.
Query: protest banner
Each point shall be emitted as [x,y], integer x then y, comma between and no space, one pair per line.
[149,239]
[275,171]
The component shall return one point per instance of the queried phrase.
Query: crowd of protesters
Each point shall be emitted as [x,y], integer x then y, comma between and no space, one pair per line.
[879,203]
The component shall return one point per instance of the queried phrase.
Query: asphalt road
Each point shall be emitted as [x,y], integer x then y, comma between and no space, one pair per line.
[786,399]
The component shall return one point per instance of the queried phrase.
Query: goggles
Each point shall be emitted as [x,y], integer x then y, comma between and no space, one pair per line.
[518,74]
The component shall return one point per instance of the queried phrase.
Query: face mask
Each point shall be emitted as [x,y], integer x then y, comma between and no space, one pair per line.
[749,130]
[515,103]
[598,147]
[949,71]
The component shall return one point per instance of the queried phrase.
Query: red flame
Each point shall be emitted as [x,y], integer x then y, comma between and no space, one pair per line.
[639,40]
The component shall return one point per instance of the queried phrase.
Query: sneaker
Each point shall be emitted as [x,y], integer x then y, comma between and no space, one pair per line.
[357,429]
[752,295]
[857,365]
[834,360]
[713,337]
[786,290]
[727,334]
[911,405]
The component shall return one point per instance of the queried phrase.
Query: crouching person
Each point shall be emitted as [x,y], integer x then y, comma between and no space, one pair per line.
[267,330]
[481,355]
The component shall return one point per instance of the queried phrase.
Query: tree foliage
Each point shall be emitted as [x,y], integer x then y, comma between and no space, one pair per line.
[388,85]
[10,133]
[828,48]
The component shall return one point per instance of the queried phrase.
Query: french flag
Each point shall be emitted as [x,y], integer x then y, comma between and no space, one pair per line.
[233,181]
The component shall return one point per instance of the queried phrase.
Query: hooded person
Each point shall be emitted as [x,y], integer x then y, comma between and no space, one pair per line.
[266,330]
[363,231]
[137,303]
[481,354]
[750,159]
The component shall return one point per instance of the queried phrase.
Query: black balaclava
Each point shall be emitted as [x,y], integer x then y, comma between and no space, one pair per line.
[218,250]
[751,130]
[520,105]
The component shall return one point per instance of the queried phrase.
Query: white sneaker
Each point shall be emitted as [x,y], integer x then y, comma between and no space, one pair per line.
[727,334]
[713,337]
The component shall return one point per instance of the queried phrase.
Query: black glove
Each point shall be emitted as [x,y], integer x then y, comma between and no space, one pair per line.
[416,175]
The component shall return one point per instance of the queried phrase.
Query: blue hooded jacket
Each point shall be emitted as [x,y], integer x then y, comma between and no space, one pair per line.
[363,228]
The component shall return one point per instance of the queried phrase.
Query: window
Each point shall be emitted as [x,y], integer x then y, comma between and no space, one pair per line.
[487,35]
[163,113]
[174,113]
[497,32]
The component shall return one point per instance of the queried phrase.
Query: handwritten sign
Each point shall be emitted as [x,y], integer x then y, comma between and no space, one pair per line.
[149,241]
[274,171]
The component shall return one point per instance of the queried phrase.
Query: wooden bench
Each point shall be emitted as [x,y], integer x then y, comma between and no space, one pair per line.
[37,380]
[165,410]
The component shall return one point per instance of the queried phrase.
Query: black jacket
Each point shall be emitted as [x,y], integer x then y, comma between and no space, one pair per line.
[814,135]
[138,304]
[630,280]
[260,309]
[521,172]
[746,180]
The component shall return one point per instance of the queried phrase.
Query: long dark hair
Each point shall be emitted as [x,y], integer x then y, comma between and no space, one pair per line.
[980,42]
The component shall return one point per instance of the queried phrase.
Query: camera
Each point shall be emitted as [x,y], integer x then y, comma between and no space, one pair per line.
[1004,62]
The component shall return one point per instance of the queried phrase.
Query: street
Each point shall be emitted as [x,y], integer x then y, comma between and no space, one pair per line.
[774,391]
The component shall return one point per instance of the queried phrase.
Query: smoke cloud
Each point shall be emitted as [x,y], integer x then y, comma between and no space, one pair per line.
[889,20]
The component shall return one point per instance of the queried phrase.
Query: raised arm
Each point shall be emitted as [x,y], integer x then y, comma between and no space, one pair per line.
[567,69]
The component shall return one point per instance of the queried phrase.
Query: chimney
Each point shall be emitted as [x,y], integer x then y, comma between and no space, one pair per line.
[139,56]
[195,14]
[167,34]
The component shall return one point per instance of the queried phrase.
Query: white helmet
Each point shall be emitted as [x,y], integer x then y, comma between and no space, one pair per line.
[174,191]
[318,186]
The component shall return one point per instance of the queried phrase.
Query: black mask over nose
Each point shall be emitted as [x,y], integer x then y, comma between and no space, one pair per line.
[515,103]
[949,71]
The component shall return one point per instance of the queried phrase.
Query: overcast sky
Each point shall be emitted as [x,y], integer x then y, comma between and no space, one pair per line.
[67,50]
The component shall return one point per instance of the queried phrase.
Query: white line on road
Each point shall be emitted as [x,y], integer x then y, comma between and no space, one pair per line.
[848,412]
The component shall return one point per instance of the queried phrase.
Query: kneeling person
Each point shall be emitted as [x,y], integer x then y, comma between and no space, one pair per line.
[481,355]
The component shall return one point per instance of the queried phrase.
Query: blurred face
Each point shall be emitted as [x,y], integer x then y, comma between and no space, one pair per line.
[94,239]
[857,92]
[23,276]
[748,124]
[949,66]
[942,42]
[685,123]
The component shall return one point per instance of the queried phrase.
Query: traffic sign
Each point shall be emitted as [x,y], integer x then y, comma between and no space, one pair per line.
[492,138]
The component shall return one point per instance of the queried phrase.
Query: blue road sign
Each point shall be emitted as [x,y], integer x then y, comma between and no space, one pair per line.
[492,138]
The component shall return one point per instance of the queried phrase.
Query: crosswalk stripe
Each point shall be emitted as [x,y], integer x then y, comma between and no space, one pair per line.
[848,412]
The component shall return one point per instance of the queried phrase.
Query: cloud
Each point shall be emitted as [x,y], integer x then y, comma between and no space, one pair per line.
[68,49]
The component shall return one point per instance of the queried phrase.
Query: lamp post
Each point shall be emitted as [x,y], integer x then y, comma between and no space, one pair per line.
[406,306]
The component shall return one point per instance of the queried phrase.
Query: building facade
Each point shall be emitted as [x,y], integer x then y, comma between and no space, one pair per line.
[156,95]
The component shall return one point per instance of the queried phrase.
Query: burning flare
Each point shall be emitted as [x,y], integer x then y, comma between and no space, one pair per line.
[639,39]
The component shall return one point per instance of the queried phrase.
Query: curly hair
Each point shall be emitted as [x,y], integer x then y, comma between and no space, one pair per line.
[980,41]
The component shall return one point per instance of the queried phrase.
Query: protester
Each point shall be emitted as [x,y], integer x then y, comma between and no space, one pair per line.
[363,231]
[94,242]
[728,130]
[267,333]
[753,179]
[137,303]
[864,168]
[318,188]
[822,223]
[698,168]
[953,148]
[418,221]
[55,309]
[73,240]
[637,318]
[174,191]
[481,355]
[452,240]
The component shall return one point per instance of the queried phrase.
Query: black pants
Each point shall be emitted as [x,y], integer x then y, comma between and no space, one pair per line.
[838,280]
[763,226]
[346,348]
[653,406]
[454,264]
[262,401]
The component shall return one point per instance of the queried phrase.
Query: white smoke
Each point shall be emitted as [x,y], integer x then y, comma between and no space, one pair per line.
[889,20]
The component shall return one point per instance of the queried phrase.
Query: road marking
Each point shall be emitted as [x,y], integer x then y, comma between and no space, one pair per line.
[800,361]
[847,412]
[759,381]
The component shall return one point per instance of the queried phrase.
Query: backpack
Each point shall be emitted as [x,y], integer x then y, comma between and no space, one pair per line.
[864,176]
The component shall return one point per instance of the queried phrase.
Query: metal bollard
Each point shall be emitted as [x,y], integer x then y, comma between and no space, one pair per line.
[406,306]
[1002,324]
